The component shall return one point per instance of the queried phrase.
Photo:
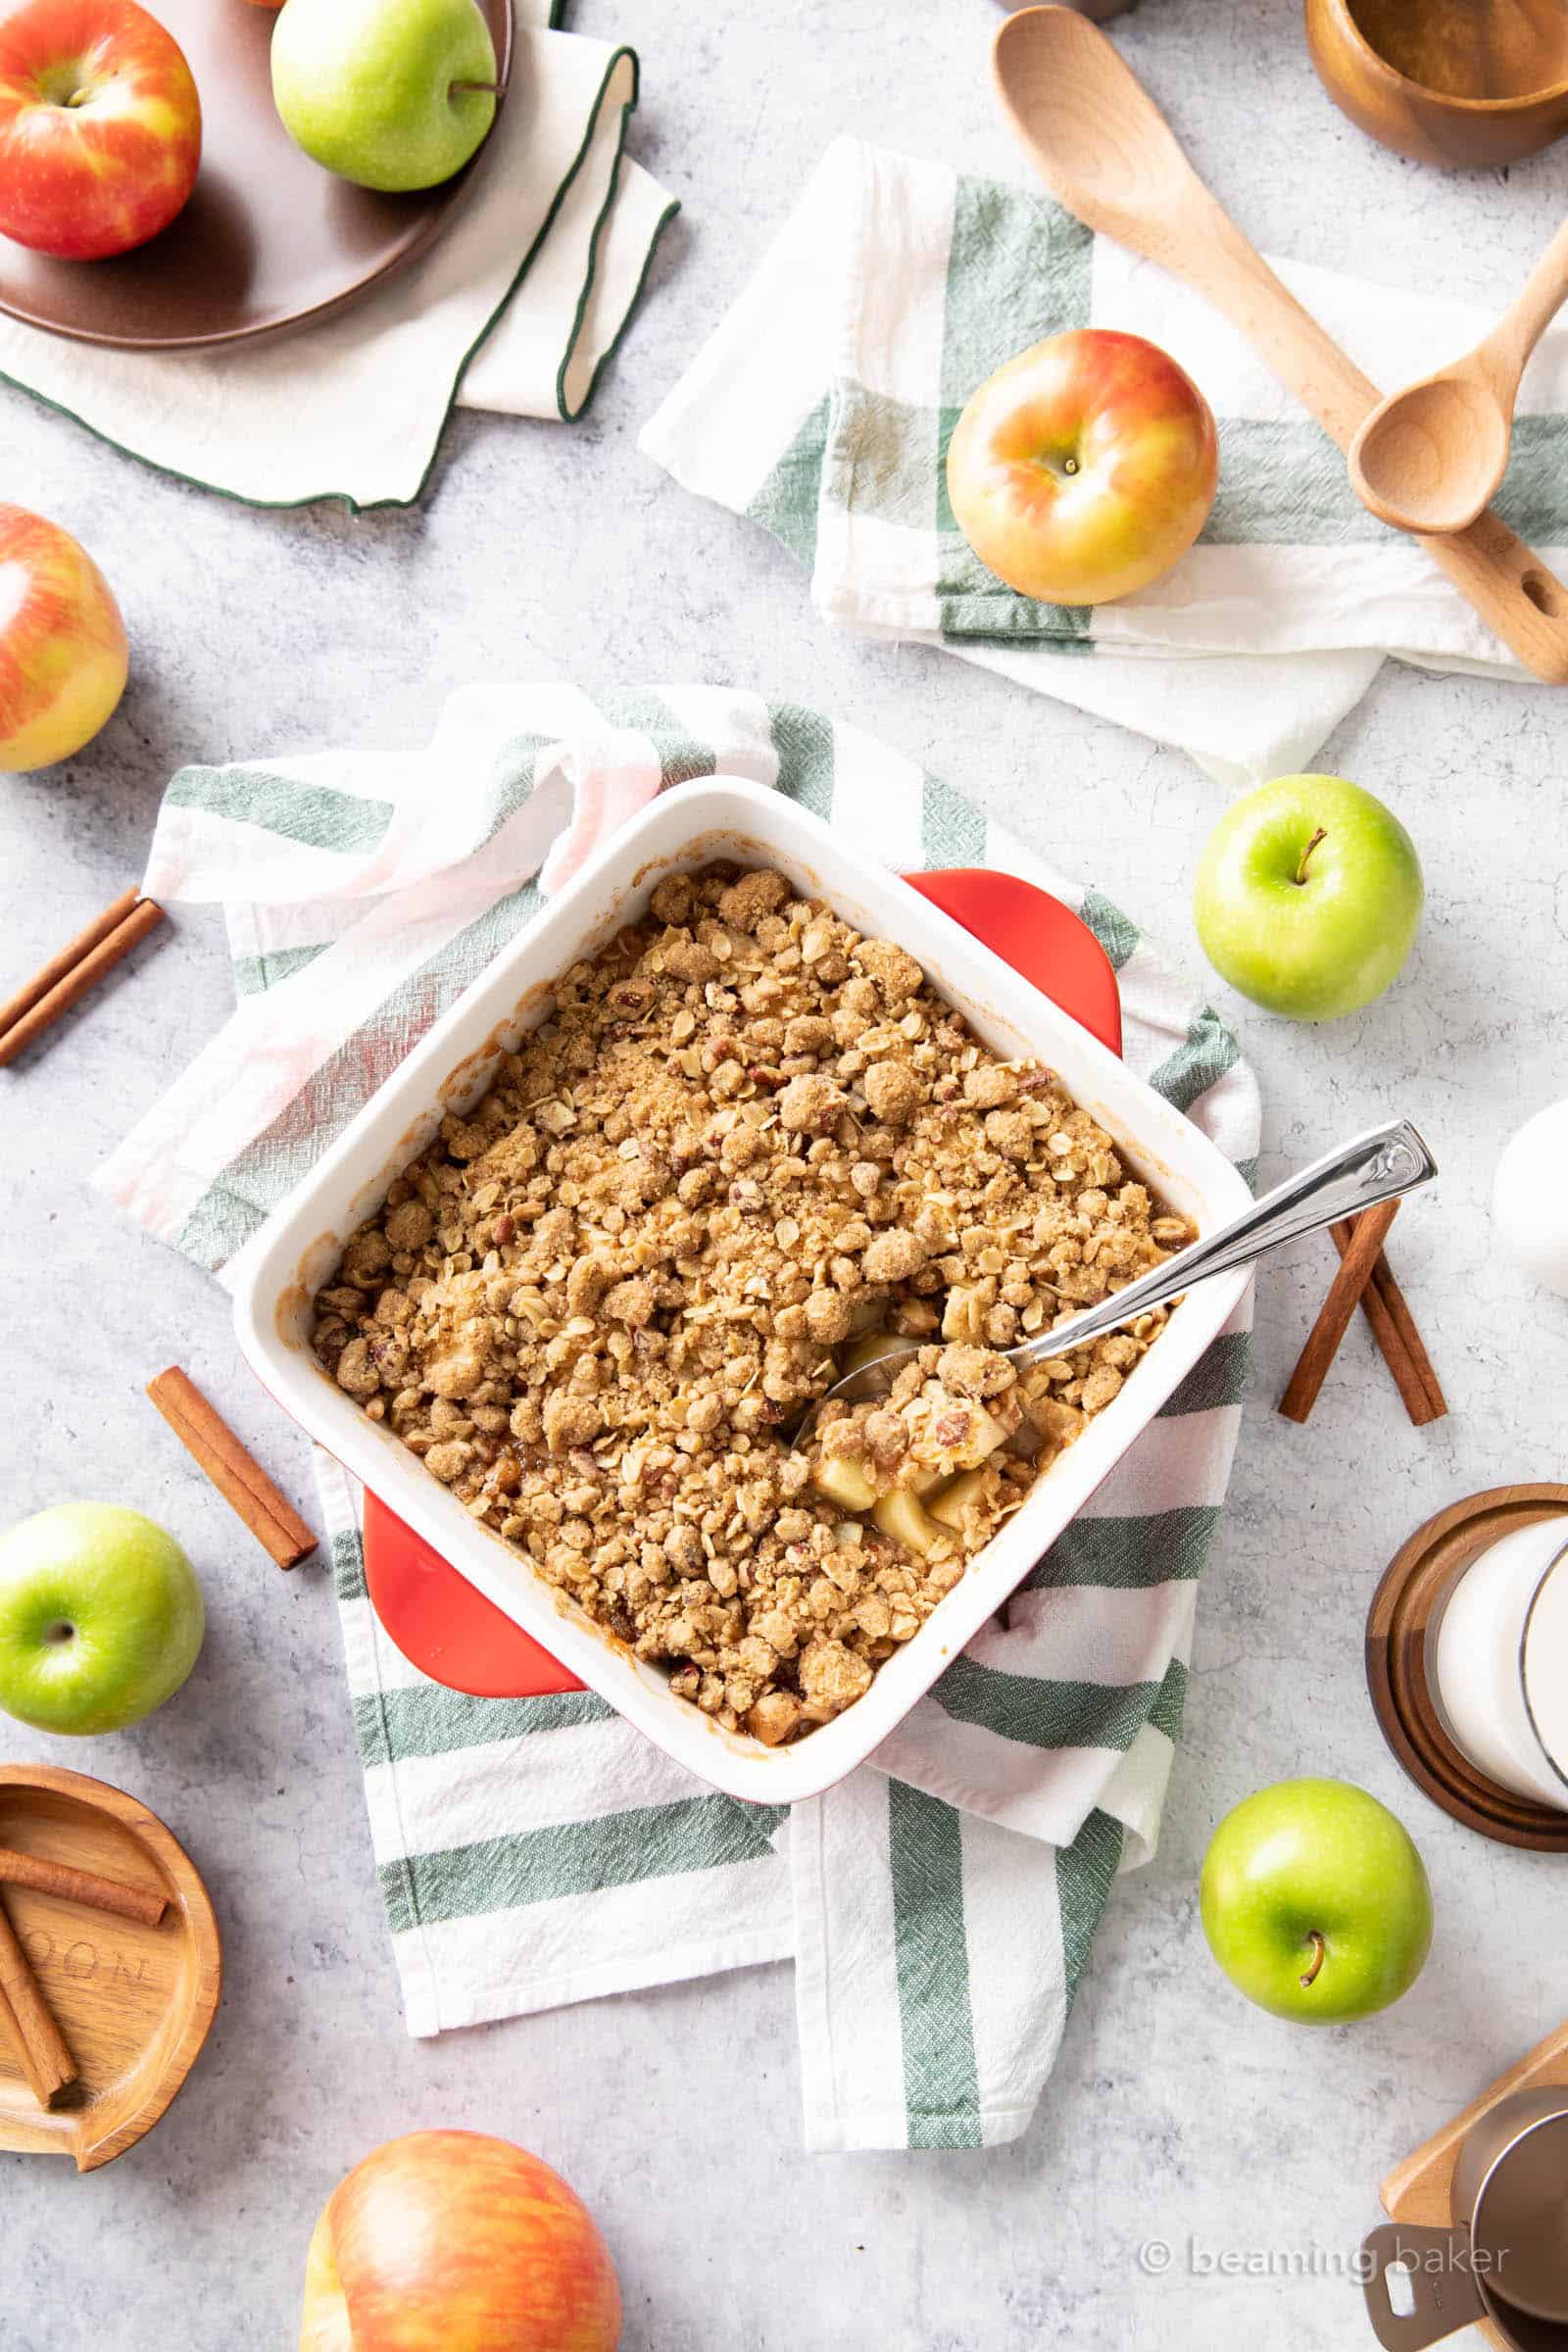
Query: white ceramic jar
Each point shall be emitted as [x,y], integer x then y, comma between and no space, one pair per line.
[1499,1662]
[1530,1197]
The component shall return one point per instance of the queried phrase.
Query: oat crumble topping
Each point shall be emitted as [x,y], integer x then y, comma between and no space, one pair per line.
[745,1141]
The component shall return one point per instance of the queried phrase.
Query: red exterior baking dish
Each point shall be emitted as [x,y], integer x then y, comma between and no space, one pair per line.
[444,1625]
[448,1070]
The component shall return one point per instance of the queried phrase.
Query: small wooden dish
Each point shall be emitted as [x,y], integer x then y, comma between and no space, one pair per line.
[1419,2191]
[1404,1607]
[1446,82]
[135,2003]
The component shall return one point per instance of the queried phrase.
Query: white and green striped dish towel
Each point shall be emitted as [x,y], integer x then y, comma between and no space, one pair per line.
[516,307]
[940,1905]
[822,405]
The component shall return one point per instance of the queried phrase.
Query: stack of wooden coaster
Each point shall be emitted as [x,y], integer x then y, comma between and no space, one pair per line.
[1406,1609]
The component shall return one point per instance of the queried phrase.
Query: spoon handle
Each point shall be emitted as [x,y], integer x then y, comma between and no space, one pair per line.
[1376,1166]
[1117,167]
[1505,351]
[1492,568]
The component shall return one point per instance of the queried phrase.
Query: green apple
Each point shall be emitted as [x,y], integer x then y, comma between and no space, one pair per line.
[383,92]
[1315,1902]
[101,1618]
[1308,896]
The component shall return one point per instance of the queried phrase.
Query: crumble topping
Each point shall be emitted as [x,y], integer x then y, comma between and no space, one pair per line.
[748,1148]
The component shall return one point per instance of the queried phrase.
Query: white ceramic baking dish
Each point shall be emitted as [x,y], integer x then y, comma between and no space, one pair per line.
[450,1069]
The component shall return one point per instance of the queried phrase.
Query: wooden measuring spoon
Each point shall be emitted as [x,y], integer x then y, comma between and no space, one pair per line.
[1431,456]
[1106,152]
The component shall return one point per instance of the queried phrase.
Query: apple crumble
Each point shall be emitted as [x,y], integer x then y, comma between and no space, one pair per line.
[747,1147]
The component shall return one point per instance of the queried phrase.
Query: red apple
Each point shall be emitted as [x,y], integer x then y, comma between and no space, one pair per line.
[1084,468]
[100,126]
[450,2241]
[62,644]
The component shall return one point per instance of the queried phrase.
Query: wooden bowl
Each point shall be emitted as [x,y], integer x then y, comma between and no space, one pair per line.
[135,2003]
[1446,82]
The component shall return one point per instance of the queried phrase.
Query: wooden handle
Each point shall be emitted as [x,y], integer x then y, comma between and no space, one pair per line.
[1512,590]
[1507,348]
[1496,573]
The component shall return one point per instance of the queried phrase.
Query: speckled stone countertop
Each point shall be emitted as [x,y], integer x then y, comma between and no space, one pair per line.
[1176,2114]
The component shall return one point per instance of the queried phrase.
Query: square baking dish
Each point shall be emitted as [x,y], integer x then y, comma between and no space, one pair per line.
[449,1069]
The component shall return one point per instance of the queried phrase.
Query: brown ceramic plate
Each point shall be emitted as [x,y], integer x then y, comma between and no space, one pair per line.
[268,240]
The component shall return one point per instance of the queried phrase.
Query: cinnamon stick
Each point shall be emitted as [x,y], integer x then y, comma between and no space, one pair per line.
[67,977]
[1394,1327]
[141,1903]
[1391,1346]
[67,961]
[1334,1319]
[234,1470]
[28,2023]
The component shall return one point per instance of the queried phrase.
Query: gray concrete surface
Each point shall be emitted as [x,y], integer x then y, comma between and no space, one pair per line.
[1177,2113]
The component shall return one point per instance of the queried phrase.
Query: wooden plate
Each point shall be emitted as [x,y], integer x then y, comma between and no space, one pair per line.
[135,2003]
[1414,1587]
[268,240]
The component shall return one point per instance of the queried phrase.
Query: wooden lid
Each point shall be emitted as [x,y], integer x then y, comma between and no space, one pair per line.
[1414,1589]
[133,2003]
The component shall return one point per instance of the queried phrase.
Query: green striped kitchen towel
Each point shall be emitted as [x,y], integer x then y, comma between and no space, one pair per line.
[516,307]
[822,405]
[940,1905]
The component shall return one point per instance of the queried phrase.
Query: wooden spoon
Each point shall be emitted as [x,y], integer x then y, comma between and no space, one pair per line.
[1104,149]
[1431,456]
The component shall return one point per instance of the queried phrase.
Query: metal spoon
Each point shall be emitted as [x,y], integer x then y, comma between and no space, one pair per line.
[1376,1166]
[1430,457]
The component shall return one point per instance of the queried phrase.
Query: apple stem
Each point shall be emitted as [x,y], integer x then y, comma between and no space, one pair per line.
[1318,1946]
[1320,835]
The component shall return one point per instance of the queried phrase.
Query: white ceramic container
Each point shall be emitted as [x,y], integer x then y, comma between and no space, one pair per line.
[1530,1199]
[1499,1662]
[448,1071]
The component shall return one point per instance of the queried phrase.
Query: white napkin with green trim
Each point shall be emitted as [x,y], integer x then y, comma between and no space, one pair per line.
[940,1904]
[515,308]
[821,407]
